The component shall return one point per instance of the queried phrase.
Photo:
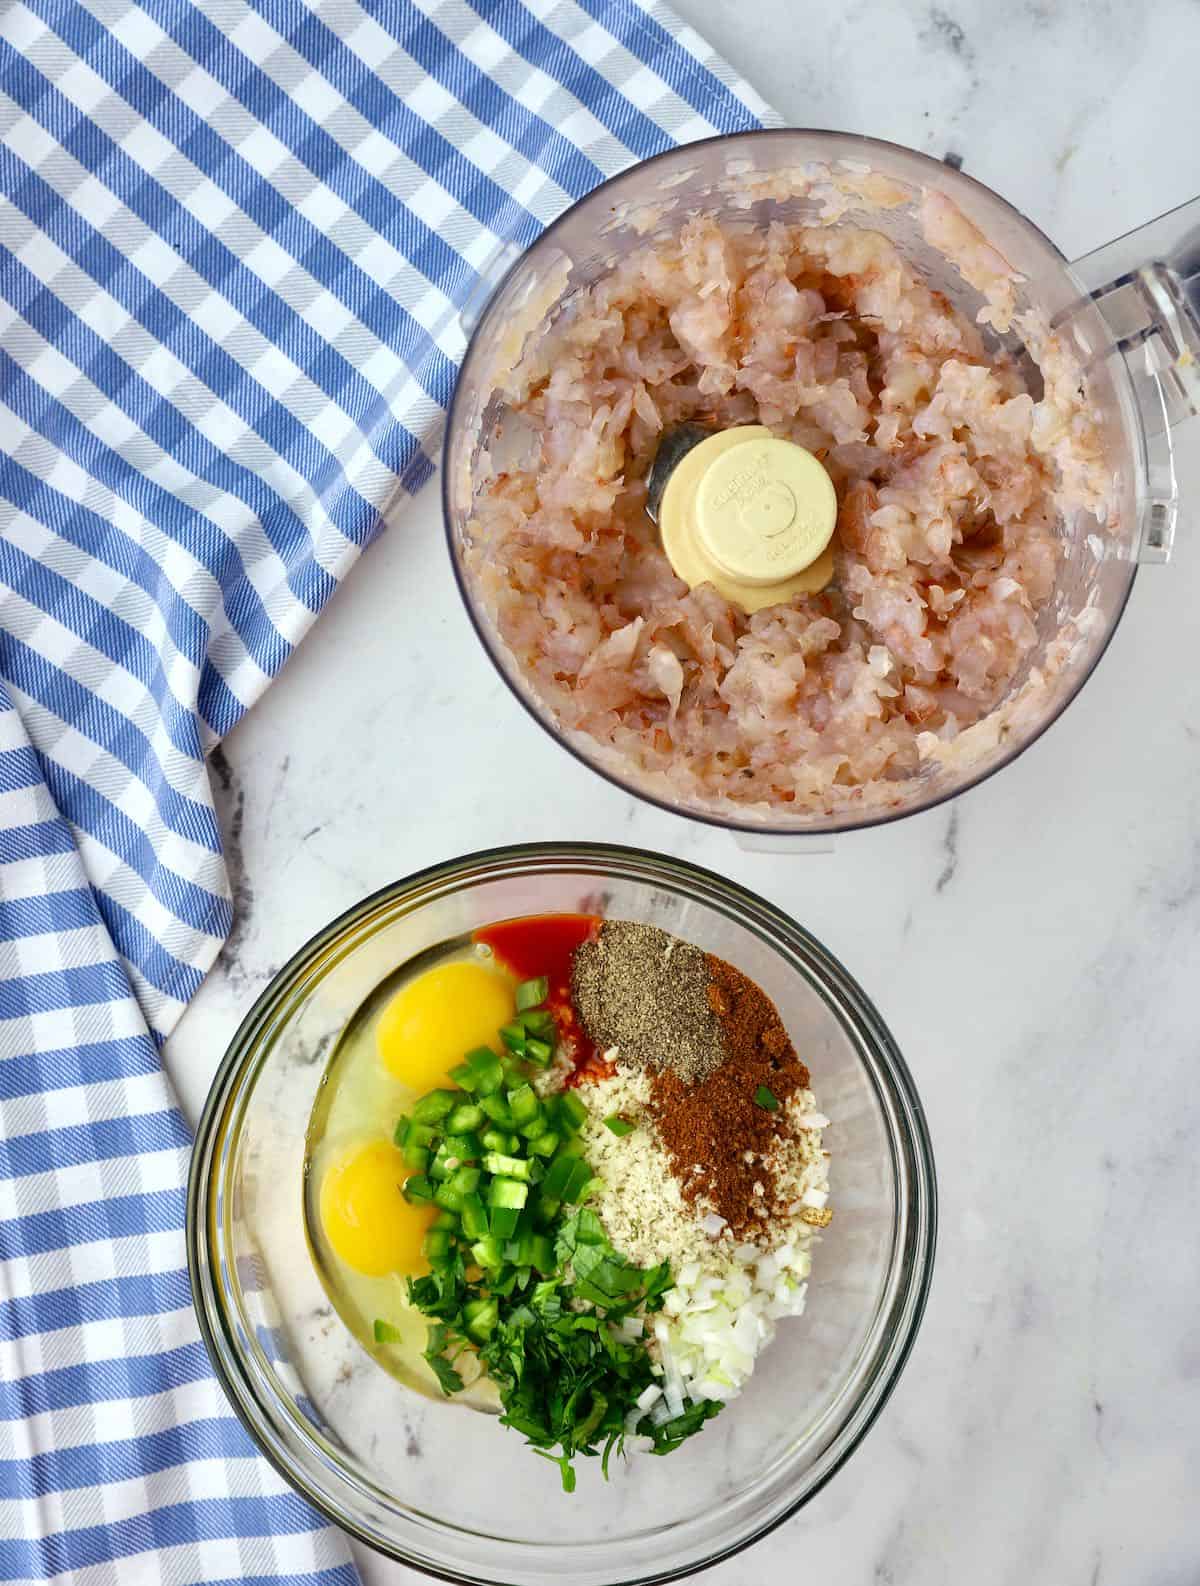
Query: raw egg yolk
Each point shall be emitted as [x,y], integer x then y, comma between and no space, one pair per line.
[365,1217]
[438,1018]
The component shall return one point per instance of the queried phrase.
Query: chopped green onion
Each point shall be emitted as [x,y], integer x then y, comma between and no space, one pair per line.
[580,1178]
[474,1217]
[572,1111]
[400,1134]
[464,1076]
[481,1317]
[385,1333]
[435,1105]
[523,1104]
[507,1192]
[496,1108]
[418,1188]
[466,1147]
[766,1099]
[488,1252]
[520,1250]
[556,1179]
[416,1157]
[465,1117]
[436,1245]
[503,1220]
[446,1195]
[618,1125]
[465,1180]
[538,1021]
[513,1036]
[545,1144]
[530,993]
[445,1220]
[537,1051]
[488,1080]
[506,1166]
[487,1070]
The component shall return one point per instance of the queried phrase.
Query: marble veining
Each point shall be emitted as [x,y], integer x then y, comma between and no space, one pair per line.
[1032,946]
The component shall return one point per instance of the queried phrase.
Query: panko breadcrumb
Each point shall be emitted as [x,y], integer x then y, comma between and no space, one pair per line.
[641,1203]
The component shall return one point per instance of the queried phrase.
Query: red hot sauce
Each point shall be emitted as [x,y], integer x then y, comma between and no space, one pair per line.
[544,944]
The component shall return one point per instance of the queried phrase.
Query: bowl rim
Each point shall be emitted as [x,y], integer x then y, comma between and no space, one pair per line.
[825,827]
[913,1270]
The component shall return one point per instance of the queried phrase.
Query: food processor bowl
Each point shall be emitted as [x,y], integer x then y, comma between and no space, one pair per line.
[1127,317]
[445,1488]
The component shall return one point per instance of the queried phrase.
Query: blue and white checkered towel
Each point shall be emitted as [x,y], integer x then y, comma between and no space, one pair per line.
[233,241]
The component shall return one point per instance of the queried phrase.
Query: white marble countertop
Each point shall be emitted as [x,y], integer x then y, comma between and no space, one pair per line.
[1033,946]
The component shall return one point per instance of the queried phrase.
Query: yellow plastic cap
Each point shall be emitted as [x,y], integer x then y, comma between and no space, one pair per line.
[752,515]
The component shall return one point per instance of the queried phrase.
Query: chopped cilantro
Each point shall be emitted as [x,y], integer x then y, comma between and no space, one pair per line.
[567,1377]
[443,1369]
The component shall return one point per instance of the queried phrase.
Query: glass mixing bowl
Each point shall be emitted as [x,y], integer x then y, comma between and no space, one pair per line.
[1129,314]
[445,1488]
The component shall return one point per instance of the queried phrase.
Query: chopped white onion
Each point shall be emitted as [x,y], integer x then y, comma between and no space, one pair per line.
[768,1270]
[673,1377]
[712,1327]
[727,1297]
[745,1332]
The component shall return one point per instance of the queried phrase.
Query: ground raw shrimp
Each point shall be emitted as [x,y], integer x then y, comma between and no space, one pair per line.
[948,476]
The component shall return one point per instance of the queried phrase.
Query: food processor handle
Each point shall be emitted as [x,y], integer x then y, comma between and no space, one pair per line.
[1146,287]
[789,844]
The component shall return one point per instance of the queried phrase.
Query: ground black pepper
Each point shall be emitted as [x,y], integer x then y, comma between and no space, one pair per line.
[645,992]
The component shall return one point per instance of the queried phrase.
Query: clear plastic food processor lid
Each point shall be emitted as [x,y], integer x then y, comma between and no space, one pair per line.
[796,482]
